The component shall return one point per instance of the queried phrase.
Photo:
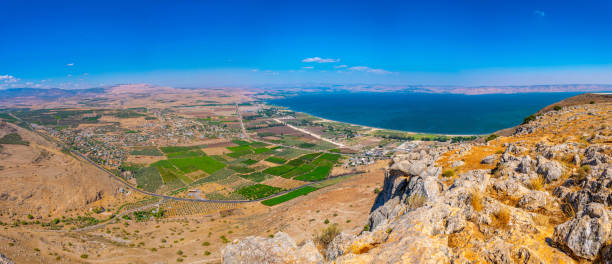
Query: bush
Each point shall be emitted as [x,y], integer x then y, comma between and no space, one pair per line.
[84,256]
[583,172]
[528,119]
[448,173]
[490,137]
[592,102]
[556,108]
[502,217]
[326,235]
[536,183]
[415,201]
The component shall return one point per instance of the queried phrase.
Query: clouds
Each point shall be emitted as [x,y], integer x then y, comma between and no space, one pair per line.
[340,66]
[539,13]
[70,64]
[320,60]
[8,79]
[368,69]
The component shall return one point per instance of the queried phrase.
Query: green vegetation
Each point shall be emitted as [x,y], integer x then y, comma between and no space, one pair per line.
[148,151]
[148,179]
[255,176]
[258,191]
[326,235]
[239,151]
[276,160]
[288,196]
[528,119]
[490,137]
[249,161]
[556,108]
[448,173]
[261,150]
[298,171]
[306,145]
[14,139]
[185,154]
[172,149]
[204,163]
[128,114]
[279,170]
[319,173]
[241,169]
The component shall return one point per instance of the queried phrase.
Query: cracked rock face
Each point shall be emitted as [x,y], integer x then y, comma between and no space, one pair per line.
[586,233]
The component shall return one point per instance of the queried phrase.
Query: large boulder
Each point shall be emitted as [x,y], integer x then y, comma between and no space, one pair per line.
[552,170]
[534,200]
[585,234]
[279,249]
[489,159]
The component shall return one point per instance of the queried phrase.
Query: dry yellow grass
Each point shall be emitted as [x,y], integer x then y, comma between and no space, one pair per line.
[476,201]
[502,217]
[536,183]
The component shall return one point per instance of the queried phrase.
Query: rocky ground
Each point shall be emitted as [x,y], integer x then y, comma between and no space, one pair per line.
[540,195]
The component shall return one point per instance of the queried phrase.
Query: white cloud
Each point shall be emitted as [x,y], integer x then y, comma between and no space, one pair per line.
[368,69]
[70,64]
[255,70]
[8,79]
[308,67]
[320,60]
[539,13]
[340,66]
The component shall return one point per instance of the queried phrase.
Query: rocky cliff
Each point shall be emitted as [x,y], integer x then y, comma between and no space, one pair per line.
[541,195]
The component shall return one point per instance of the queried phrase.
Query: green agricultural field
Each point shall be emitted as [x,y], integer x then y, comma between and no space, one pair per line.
[204,163]
[258,191]
[172,149]
[148,179]
[257,144]
[239,151]
[241,169]
[319,173]
[241,142]
[261,150]
[255,176]
[217,176]
[276,160]
[288,196]
[249,162]
[169,174]
[279,170]
[298,171]
[331,157]
[148,151]
[185,154]
[289,153]
[309,157]
[296,162]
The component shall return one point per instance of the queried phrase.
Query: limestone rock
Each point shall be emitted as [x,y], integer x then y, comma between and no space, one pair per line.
[552,170]
[586,233]
[534,200]
[489,159]
[279,249]
[5,260]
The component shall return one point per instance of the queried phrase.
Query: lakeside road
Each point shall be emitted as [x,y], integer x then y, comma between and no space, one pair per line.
[311,134]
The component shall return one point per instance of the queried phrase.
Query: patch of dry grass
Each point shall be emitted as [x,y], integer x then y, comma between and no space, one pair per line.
[415,201]
[502,217]
[536,183]
[476,201]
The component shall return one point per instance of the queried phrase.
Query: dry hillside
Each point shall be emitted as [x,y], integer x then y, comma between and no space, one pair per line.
[41,180]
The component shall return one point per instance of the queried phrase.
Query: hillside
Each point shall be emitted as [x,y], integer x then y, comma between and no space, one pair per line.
[539,195]
[38,179]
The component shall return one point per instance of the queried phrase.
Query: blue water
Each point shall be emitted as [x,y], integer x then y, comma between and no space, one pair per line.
[426,113]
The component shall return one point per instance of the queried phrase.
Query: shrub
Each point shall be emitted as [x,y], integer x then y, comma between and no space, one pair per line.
[206,253]
[502,217]
[592,102]
[30,216]
[490,137]
[376,190]
[84,256]
[180,252]
[206,244]
[583,172]
[476,201]
[326,221]
[536,183]
[556,108]
[448,173]
[528,119]
[326,235]
[415,201]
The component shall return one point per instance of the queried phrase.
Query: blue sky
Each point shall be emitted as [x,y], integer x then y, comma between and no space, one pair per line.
[211,43]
